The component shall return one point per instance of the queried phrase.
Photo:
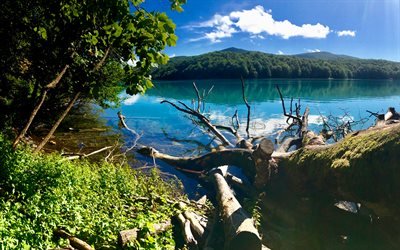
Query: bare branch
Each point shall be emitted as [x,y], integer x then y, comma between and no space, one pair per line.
[204,120]
[198,96]
[248,108]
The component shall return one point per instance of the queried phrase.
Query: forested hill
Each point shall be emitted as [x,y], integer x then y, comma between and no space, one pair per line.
[233,63]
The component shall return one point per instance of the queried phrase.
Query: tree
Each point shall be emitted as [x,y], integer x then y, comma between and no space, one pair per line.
[77,38]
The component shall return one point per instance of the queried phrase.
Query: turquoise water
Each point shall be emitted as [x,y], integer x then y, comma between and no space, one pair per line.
[170,131]
[165,128]
[289,222]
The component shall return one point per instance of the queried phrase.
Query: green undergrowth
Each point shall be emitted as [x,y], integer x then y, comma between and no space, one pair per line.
[41,193]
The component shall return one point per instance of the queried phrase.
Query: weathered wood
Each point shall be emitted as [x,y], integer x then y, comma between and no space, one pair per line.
[126,236]
[79,156]
[288,143]
[236,157]
[73,241]
[195,225]
[240,232]
[186,231]
[264,165]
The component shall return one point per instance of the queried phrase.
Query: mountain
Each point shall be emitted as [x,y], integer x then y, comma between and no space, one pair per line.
[323,55]
[233,49]
[234,63]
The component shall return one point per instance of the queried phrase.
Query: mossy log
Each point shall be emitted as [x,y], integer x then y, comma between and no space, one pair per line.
[364,167]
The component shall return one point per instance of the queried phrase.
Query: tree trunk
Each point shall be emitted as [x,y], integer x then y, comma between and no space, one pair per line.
[51,85]
[55,126]
[363,167]
[240,232]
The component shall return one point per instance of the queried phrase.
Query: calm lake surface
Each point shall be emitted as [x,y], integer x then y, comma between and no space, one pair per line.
[170,131]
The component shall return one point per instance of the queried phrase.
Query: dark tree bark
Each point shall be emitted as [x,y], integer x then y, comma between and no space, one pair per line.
[49,86]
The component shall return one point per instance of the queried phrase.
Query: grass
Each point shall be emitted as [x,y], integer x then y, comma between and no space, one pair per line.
[40,193]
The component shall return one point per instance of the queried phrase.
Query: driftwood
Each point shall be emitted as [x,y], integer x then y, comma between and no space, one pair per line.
[73,241]
[240,232]
[195,225]
[186,231]
[126,236]
[255,164]
[80,156]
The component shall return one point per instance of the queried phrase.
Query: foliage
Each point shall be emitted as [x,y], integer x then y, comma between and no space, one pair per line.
[40,37]
[39,194]
[231,64]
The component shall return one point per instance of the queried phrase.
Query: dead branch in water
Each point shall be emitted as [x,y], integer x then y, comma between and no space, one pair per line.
[248,107]
[202,119]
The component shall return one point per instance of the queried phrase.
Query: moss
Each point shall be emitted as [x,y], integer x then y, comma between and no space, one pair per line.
[340,163]
[362,166]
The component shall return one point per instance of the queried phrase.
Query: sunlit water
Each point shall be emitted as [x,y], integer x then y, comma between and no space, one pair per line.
[170,131]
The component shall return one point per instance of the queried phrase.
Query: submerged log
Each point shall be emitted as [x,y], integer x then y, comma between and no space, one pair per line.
[364,167]
[240,232]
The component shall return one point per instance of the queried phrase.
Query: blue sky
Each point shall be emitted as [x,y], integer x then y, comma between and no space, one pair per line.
[361,28]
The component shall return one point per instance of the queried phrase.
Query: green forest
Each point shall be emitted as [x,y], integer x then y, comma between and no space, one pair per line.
[233,63]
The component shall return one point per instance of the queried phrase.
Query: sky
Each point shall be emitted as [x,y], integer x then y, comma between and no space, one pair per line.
[360,28]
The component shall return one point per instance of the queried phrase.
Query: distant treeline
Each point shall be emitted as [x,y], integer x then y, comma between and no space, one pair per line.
[250,64]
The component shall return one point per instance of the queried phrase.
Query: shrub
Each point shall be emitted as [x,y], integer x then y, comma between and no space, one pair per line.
[40,193]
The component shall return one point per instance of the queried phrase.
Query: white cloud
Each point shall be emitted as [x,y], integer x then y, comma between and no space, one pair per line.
[351,33]
[173,55]
[280,52]
[131,100]
[313,50]
[223,27]
[257,22]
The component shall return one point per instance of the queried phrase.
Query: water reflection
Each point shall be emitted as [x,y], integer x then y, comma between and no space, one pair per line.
[229,91]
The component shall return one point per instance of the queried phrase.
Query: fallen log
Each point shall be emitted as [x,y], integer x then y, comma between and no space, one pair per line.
[256,164]
[237,157]
[239,229]
[363,167]
[187,232]
[73,241]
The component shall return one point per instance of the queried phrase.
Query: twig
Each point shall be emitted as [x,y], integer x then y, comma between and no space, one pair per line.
[248,108]
[198,96]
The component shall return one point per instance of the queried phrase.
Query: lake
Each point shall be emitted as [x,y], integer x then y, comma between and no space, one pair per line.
[170,131]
